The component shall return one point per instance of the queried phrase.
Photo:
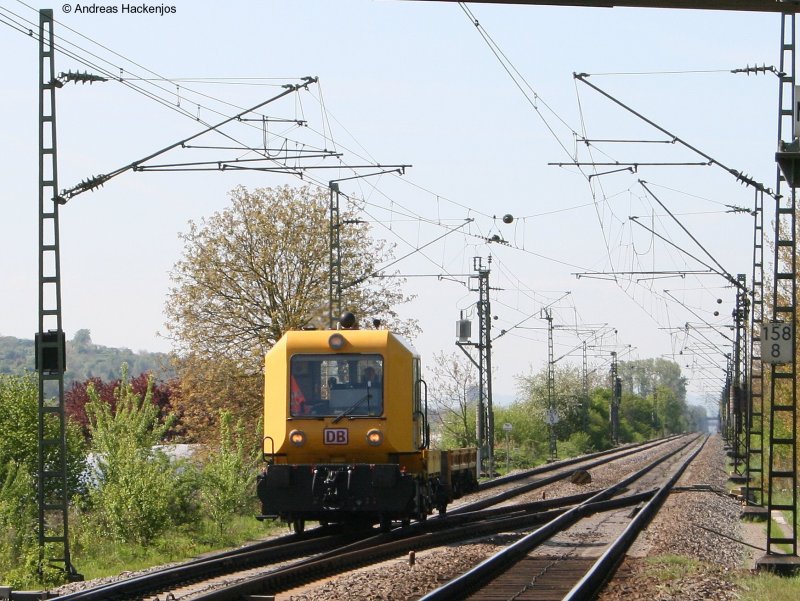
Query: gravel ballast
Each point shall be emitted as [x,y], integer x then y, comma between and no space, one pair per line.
[700,523]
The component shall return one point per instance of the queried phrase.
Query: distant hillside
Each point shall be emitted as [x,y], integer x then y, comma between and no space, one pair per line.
[84,359]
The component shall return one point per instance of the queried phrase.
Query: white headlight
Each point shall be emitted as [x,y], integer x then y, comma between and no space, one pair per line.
[336,341]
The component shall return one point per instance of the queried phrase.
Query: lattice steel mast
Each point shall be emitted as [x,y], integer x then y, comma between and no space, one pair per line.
[334,257]
[552,409]
[738,412]
[782,474]
[616,393]
[52,485]
[486,417]
[754,447]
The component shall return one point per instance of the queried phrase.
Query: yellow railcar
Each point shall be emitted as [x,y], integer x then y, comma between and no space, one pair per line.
[346,434]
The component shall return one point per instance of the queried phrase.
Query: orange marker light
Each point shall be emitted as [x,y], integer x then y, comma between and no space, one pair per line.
[297,438]
[374,438]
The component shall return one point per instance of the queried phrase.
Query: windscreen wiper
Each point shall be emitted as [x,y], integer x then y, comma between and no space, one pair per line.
[352,407]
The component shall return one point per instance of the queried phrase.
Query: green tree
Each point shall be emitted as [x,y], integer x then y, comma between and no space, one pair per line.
[637,418]
[643,376]
[82,340]
[672,411]
[253,271]
[133,484]
[528,439]
[569,398]
[599,429]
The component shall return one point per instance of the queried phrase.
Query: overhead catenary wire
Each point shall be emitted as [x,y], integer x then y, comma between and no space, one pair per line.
[95,66]
[674,139]
[583,78]
[516,76]
[114,72]
[725,273]
[477,227]
[168,91]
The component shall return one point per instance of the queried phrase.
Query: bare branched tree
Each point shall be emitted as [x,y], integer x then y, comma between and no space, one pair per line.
[454,392]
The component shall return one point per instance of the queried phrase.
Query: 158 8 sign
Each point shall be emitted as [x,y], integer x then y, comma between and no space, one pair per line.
[776,342]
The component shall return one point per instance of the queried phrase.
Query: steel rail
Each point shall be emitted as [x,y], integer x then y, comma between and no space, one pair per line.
[362,553]
[505,495]
[573,460]
[503,516]
[604,568]
[460,587]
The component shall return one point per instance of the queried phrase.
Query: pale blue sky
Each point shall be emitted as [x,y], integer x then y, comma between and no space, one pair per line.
[407,82]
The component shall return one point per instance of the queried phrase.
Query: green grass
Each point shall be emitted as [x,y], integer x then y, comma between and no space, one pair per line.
[671,567]
[779,530]
[750,586]
[97,558]
[769,587]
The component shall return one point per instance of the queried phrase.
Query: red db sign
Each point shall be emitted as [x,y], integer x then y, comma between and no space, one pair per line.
[335,435]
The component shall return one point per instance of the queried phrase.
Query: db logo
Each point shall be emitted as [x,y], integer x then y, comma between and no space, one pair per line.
[335,435]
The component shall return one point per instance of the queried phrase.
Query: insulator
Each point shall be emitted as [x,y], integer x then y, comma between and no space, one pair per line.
[81,77]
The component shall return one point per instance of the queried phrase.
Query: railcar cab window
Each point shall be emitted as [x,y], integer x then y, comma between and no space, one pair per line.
[336,385]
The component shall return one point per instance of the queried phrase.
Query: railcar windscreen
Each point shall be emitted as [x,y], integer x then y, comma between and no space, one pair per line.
[336,385]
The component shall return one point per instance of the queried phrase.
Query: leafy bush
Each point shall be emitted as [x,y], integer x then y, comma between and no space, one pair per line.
[18,521]
[19,415]
[228,477]
[19,550]
[76,396]
[577,444]
[132,491]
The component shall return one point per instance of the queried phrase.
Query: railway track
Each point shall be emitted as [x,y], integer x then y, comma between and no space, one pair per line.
[520,573]
[317,553]
[550,473]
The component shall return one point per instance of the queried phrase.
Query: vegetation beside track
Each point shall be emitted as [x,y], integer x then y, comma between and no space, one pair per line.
[762,587]
[97,558]
[670,575]
[133,506]
[653,404]
[675,576]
